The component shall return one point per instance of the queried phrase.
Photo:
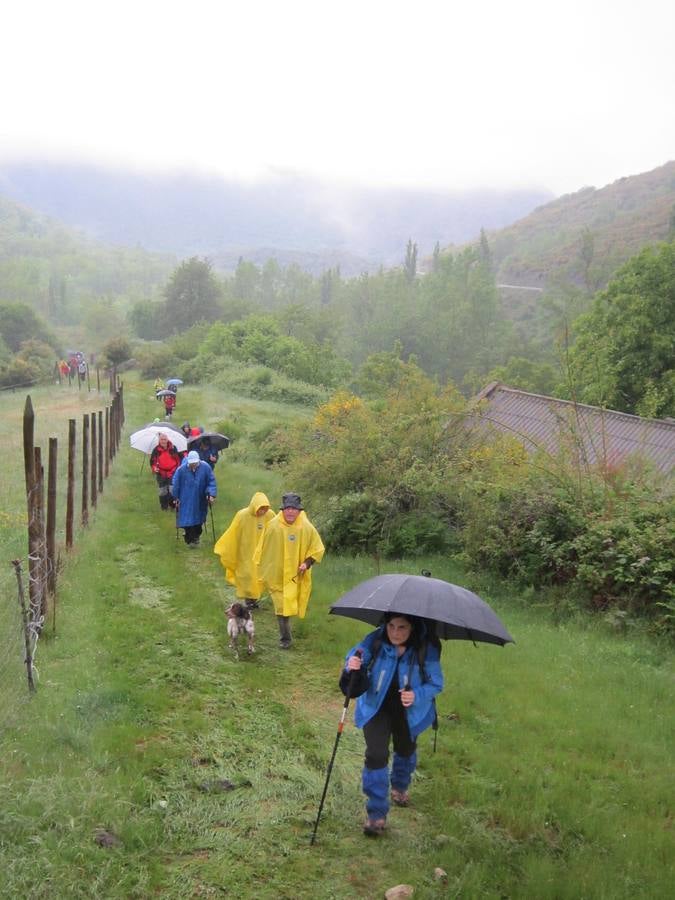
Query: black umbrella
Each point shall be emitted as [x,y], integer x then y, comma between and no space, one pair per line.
[217,441]
[456,614]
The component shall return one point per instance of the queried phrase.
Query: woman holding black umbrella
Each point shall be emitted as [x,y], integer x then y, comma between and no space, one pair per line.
[399,677]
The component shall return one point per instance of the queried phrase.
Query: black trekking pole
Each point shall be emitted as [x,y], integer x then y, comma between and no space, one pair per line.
[337,741]
[213,527]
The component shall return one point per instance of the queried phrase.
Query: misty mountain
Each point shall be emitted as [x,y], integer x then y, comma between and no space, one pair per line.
[584,237]
[291,218]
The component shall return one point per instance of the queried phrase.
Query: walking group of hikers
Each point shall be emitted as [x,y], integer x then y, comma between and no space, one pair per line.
[394,672]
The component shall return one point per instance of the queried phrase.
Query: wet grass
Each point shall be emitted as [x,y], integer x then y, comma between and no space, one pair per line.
[552,775]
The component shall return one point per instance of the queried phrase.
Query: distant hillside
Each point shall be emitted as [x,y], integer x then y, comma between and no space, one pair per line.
[54,268]
[584,237]
[288,217]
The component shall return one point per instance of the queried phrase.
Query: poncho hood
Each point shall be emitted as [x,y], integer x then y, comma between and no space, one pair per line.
[257,500]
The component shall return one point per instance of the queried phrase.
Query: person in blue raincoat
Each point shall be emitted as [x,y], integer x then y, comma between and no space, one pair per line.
[207,452]
[193,488]
[399,675]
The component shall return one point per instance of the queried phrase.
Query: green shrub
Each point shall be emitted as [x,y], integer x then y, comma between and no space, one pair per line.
[612,545]
[230,428]
[156,360]
[264,384]
[18,373]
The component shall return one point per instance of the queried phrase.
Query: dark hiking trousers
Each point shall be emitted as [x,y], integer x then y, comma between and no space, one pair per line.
[192,534]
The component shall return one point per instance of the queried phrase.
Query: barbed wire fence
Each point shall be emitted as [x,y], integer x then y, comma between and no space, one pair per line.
[28,595]
[12,650]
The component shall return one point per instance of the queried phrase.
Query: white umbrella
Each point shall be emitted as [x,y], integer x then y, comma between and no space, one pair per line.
[146,439]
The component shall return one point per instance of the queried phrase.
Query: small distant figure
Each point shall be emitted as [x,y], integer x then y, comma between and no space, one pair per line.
[290,547]
[159,385]
[169,404]
[237,546]
[193,488]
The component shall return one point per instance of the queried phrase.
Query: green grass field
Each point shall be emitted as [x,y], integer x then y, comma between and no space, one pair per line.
[552,778]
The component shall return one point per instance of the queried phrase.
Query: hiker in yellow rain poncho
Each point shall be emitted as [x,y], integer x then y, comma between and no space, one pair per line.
[290,547]
[236,548]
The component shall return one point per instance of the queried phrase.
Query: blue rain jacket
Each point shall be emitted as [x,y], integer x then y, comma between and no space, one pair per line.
[191,490]
[422,712]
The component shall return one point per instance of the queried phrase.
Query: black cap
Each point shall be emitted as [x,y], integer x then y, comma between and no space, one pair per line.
[291,501]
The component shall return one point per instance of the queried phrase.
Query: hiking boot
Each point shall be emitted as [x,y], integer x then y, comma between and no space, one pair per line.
[285,645]
[374,827]
[399,798]
[252,604]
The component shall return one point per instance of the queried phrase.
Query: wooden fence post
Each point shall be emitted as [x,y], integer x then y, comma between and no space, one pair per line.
[100,452]
[85,470]
[112,429]
[106,462]
[94,460]
[41,609]
[51,518]
[70,495]
[98,379]
[116,420]
[31,504]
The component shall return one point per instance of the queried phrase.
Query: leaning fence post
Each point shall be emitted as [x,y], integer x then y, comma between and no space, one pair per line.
[26,630]
[85,470]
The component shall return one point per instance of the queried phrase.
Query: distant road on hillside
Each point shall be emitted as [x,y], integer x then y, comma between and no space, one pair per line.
[521,287]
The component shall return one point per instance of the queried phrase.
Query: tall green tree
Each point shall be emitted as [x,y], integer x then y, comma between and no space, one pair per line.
[18,323]
[410,264]
[193,294]
[624,353]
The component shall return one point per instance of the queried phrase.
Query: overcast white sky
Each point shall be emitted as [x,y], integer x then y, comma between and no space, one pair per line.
[427,93]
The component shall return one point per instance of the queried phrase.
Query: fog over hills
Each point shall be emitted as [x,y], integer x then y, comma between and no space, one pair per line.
[289,217]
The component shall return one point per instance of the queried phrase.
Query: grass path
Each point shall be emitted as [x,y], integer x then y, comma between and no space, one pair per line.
[552,778]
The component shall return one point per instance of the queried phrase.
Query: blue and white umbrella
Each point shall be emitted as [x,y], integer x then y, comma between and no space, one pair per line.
[173,381]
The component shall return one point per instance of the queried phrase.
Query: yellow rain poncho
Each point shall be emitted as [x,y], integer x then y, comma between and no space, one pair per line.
[236,547]
[281,551]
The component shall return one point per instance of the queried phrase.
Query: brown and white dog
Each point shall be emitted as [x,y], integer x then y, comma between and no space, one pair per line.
[240,621]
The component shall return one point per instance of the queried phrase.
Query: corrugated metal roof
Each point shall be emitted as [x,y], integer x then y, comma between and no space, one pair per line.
[597,436]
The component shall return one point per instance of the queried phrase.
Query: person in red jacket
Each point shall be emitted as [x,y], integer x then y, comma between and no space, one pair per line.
[169,404]
[164,460]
